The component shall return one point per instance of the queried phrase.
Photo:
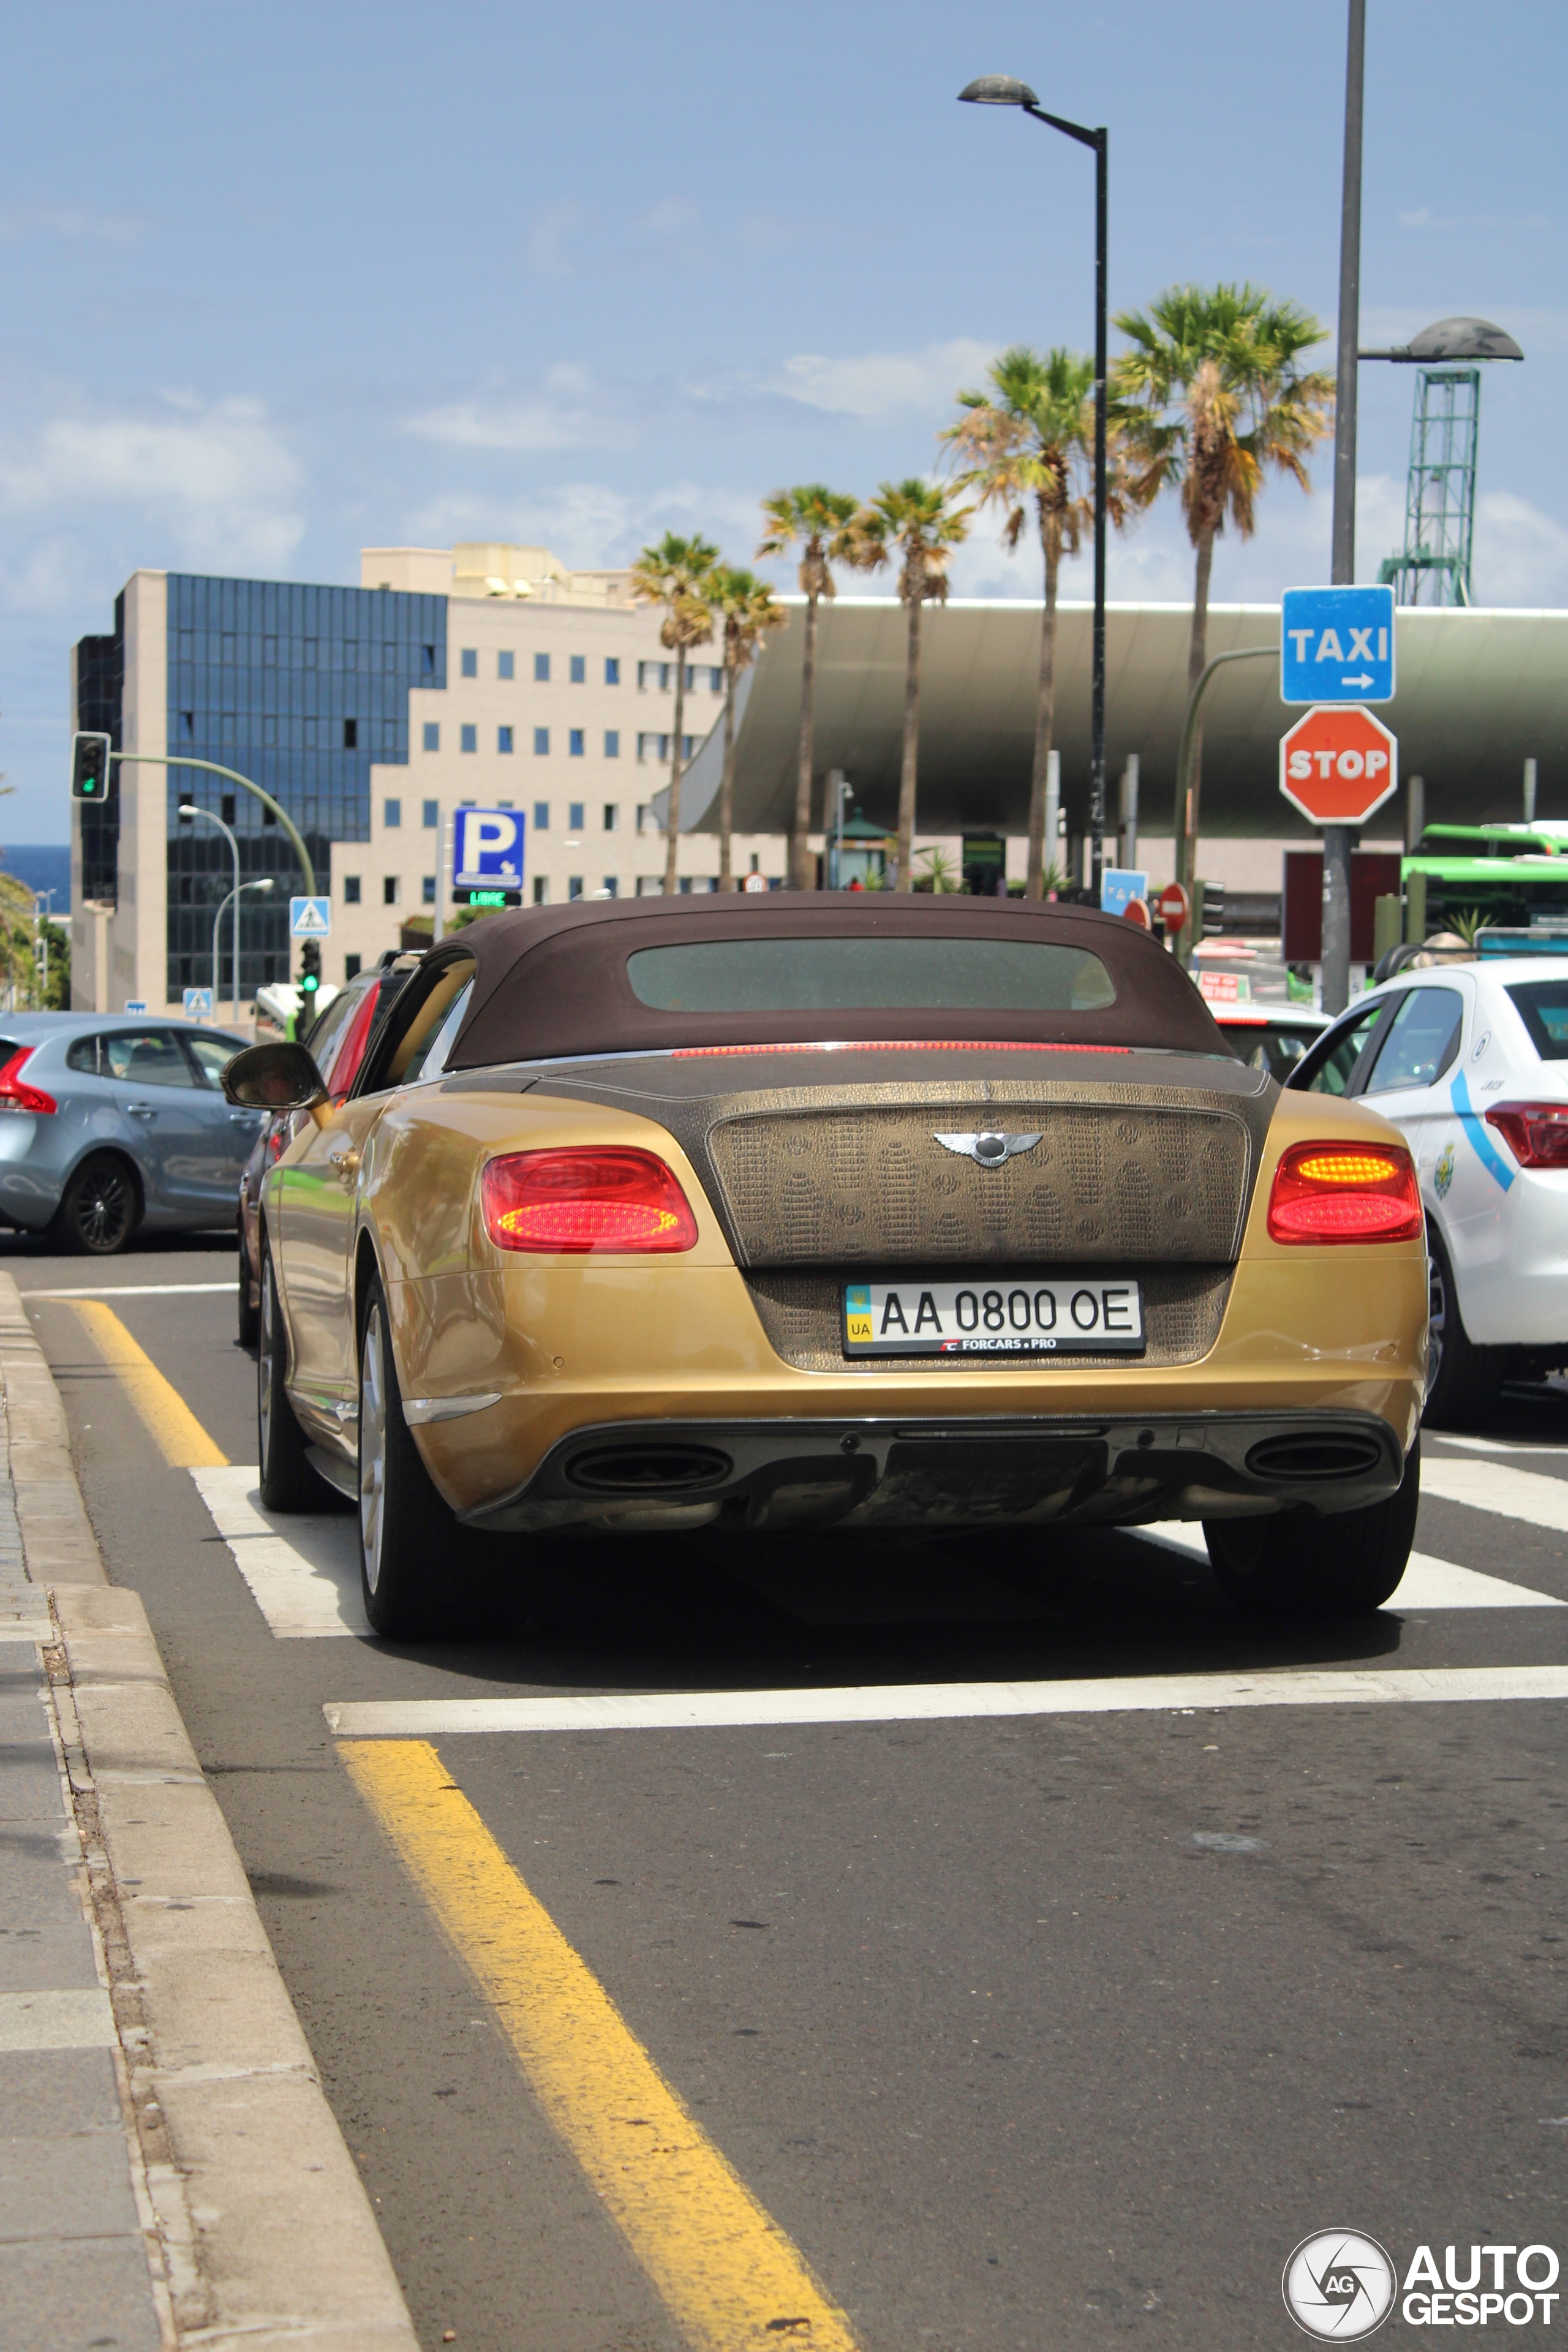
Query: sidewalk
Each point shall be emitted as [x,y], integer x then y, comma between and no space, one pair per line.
[170,2171]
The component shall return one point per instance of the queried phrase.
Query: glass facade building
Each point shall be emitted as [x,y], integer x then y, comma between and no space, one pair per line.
[298,687]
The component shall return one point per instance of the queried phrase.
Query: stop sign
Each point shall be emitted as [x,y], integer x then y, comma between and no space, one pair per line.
[1336,766]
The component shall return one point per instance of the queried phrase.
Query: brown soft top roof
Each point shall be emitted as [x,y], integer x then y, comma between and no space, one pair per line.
[552,980]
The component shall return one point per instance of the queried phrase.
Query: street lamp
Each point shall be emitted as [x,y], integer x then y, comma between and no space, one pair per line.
[187,810]
[233,899]
[1001,89]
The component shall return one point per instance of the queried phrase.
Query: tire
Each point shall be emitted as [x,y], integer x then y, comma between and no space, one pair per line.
[1298,1565]
[1462,1380]
[250,1317]
[287,1483]
[100,1209]
[410,1543]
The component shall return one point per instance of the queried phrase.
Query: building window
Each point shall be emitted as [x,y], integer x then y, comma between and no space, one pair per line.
[652,746]
[612,887]
[541,669]
[716,678]
[391,812]
[506,665]
[432,816]
[541,817]
[542,743]
[540,890]
[352,965]
[611,742]
[427,889]
[612,669]
[432,735]
[645,817]
[574,886]
[653,674]
[503,738]
[351,734]
[574,817]
[612,817]
[351,889]
[468,739]
[576,742]
[188,726]
[579,671]
[428,661]
[470,661]
[389,891]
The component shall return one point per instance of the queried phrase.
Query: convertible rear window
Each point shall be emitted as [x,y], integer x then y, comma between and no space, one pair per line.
[850,974]
[1544,1008]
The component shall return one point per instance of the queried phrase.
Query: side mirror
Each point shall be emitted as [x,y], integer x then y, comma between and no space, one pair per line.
[274,1077]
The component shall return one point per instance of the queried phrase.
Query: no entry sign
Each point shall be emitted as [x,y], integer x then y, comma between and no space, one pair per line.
[1336,765]
[1174,906]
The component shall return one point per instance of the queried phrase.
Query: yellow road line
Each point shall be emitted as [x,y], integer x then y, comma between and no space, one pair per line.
[179,1435]
[730,2276]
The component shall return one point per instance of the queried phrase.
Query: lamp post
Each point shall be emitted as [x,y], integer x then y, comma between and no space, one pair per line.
[233,899]
[1001,89]
[187,810]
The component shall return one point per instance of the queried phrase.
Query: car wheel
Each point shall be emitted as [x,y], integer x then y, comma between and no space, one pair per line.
[100,1210]
[1462,1380]
[287,1483]
[408,1539]
[1296,1564]
[249,1316]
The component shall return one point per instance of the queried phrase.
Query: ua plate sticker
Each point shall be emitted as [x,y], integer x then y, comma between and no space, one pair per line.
[1004,1315]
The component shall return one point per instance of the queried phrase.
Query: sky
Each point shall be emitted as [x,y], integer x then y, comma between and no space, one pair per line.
[278,281]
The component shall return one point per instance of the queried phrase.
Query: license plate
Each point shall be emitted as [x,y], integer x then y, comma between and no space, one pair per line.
[992,1315]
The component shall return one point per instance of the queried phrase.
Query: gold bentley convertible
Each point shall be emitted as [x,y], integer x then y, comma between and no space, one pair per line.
[831,1213]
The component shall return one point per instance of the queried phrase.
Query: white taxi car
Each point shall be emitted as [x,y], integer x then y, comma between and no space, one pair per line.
[1471,1061]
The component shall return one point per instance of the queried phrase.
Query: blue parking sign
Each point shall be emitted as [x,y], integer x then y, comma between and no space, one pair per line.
[1336,645]
[486,849]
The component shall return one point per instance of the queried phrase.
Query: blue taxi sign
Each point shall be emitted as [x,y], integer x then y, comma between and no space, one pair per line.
[1336,645]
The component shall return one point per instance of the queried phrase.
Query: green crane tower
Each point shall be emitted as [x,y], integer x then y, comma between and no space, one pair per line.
[1433,566]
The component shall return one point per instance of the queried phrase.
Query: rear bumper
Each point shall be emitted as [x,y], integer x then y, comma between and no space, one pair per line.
[627,1477]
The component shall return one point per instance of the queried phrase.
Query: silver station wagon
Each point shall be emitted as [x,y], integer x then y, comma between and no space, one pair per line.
[111,1125]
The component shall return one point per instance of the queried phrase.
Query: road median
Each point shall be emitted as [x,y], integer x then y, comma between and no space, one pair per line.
[267,2235]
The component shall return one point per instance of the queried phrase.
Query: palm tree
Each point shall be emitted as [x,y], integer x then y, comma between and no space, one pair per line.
[918,517]
[820,519]
[675,574]
[746,609]
[1210,396]
[1031,436]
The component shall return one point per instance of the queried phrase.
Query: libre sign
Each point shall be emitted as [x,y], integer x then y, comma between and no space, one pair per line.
[1336,766]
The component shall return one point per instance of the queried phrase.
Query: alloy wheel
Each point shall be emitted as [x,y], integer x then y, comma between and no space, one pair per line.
[104,1209]
[1437,1315]
[372,1446]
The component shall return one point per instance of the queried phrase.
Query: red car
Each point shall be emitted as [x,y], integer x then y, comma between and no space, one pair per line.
[337,1040]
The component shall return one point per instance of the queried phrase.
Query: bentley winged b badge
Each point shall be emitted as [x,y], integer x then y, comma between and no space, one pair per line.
[989,1150]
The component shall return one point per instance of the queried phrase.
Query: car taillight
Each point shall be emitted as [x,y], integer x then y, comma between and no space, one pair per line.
[1536,1133]
[581,1201]
[15,1092]
[1344,1192]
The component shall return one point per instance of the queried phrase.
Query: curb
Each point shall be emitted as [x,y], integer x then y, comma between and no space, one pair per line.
[267,2232]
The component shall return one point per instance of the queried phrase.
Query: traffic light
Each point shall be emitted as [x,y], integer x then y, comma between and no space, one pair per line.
[90,767]
[1212,905]
[309,972]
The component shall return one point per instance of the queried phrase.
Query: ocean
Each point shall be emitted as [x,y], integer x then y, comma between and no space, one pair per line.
[42,866]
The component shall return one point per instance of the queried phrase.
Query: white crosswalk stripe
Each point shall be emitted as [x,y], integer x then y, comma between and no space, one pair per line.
[305,1582]
[1493,1485]
[441,1718]
[1427,1582]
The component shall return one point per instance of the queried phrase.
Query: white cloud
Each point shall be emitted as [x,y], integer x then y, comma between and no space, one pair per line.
[568,414]
[547,239]
[216,482]
[591,526]
[21,221]
[876,382]
[1520,554]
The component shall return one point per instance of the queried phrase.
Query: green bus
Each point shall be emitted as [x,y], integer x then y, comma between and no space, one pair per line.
[1509,875]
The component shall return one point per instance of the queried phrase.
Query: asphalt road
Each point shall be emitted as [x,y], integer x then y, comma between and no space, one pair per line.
[1028,2030]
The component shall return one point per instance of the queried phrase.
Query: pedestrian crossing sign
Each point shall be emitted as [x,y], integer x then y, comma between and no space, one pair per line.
[310,919]
[198,1003]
